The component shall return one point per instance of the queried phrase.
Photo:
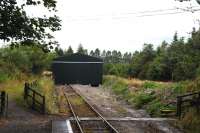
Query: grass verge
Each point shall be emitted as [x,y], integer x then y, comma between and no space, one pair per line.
[155,96]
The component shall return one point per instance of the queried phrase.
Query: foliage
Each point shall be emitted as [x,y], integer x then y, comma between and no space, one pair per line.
[17,25]
[15,88]
[69,51]
[116,69]
[23,59]
[141,99]
[150,84]
[150,95]
[155,96]
[175,61]
[47,88]
[81,50]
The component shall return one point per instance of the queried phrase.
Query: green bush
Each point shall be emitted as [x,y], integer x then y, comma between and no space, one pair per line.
[3,77]
[150,85]
[141,99]
[178,89]
[154,107]
[116,69]
[24,59]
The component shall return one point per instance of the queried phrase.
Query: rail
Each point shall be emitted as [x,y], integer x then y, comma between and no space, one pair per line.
[75,116]
[34,99]
[192,99]
[110,127]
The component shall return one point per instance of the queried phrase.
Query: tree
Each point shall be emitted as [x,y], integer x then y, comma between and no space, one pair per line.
[59,51]
[141,61]
[92,53]
[16,25]
[24,59]
[127,57]
[108,58]
[85,51]
[97,52]
[69,51]
[198,1]
[103,54]
[115,58]
[81,50]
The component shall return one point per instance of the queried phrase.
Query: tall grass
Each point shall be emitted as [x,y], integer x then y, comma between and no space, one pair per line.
[15,89]
[46,87]
[150,95]
[154,96]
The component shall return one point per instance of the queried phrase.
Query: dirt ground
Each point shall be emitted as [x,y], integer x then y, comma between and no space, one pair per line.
[23,120]
[111,106]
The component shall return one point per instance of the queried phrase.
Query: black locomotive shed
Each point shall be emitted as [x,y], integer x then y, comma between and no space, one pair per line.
[78,69]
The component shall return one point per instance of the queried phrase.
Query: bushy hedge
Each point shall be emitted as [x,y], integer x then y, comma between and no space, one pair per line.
[14,62]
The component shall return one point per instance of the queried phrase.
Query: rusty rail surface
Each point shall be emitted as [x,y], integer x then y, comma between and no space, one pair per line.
[107,124]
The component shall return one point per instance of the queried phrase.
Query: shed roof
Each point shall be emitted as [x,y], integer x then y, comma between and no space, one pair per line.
[77,58]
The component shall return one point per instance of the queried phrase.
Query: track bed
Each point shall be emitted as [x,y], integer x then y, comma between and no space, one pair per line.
[79,107]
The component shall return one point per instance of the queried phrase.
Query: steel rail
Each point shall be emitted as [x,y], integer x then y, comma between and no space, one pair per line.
[112,129]
[74,114]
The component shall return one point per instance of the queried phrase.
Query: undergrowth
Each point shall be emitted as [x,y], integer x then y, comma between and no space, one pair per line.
[156,96]
[45,86]
[15,89]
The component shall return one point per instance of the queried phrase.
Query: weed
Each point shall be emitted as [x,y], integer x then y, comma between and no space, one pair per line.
[47,88]
[150,85]
[191,121]
[141,99]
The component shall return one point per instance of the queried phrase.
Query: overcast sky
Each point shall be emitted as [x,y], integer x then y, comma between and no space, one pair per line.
[123,25]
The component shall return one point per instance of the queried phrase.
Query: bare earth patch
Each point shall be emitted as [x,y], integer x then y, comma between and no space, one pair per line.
[110,106]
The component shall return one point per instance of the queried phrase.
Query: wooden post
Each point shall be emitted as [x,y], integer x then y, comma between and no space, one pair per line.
[7,105]
[0,103]
[33,100]
[25,90]
[43,105]
[198,103]
[3,101]
[178,109]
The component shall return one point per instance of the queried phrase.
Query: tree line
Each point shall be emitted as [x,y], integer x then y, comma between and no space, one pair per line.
[175,61]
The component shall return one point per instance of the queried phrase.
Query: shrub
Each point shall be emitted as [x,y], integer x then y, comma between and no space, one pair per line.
[3,77]
[150,84]
[141,99]
[154,107]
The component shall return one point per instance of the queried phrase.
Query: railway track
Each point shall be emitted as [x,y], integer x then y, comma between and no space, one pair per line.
[85,109]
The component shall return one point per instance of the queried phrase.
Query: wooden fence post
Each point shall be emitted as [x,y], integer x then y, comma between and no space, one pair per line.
[178,109]
[6,105]
[25,90]
[29,92]
[33,100]
[43,105]
[3,101]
